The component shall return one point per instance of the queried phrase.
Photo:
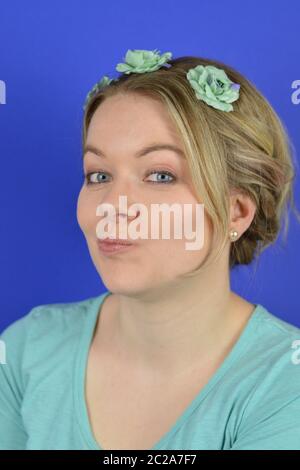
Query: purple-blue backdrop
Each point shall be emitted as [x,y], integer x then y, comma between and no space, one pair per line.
[51,55]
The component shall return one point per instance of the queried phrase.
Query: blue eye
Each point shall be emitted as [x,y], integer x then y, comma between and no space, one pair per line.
[89,176]
[93,178]
[164,180]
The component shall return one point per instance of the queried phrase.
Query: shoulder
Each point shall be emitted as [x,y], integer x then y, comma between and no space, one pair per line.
[270,372]
[275,349]
[277,337]
[45,333]
[274,321]
[50,317]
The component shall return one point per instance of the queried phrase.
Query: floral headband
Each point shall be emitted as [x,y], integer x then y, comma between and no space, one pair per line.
[211,84]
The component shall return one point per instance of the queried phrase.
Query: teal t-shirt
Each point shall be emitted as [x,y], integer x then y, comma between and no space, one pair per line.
[251,402]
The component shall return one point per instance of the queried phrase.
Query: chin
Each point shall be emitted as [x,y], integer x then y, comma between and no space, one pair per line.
[124,289]
[130,286]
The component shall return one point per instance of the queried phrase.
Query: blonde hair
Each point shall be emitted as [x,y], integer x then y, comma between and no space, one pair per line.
[247,149]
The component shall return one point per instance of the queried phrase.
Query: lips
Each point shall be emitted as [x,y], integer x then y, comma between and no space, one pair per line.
[114,246]
[114,241]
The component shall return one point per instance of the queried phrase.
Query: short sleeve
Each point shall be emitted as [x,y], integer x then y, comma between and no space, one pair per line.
[279,430]
[13,342]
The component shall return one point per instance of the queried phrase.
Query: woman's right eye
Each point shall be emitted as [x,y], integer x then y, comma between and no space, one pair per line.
[94,178]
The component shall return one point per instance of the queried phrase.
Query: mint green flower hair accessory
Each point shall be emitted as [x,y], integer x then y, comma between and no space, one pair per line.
[100,85]
[140,61]
[213,86]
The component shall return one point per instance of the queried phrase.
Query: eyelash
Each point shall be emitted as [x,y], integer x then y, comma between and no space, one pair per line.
[88,182]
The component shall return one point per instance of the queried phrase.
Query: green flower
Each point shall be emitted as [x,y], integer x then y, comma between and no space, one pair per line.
[140,61]
[105,80]
[213,86]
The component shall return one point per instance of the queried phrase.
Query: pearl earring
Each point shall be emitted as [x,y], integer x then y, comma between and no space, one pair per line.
[233,235]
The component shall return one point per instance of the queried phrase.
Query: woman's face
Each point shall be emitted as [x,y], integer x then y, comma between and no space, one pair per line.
[121,127]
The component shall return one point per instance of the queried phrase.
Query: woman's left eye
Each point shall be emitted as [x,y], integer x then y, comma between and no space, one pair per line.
[164,180]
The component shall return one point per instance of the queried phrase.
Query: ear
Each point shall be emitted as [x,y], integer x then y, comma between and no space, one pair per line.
[242,211]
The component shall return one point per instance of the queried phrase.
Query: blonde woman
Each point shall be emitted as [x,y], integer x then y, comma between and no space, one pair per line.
[169,357]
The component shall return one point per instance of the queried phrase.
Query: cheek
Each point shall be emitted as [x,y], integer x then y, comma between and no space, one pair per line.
[195,243]
[85,212]
[174,256]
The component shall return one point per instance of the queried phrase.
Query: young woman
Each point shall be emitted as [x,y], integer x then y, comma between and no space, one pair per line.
[169,357]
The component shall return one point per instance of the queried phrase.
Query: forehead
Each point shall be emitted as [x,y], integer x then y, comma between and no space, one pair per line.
[131,117]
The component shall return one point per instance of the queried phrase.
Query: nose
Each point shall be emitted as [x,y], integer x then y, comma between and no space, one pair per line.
[117,202]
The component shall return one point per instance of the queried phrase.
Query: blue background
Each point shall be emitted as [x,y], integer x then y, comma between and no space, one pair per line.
[52,53]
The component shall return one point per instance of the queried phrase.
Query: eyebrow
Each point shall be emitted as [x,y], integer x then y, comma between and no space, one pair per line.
[141,152]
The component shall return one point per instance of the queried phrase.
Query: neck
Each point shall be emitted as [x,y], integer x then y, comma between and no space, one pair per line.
[172,329]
